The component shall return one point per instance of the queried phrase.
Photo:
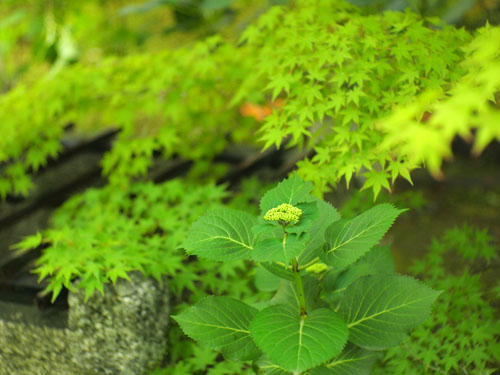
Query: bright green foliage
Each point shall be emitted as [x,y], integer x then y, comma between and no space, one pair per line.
[104,234]
[470,103]
[172,106]
[346,241]
[337,72]
[377,261]
[295,343]
[317,307]
[221,235]
[101,217]
[389,305]
[287,294]
[462,336]
[277,250]
[290,191]
[315,239]
[221,323]
[352,361]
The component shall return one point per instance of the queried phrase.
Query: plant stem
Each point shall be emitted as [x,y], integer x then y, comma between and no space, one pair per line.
[315,260]
[299,287]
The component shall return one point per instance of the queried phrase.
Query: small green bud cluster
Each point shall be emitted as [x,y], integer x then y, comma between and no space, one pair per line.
[285,213]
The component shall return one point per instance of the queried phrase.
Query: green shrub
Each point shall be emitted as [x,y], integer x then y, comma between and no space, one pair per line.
[376,95]
[462,335]
[106,233]
[338,300]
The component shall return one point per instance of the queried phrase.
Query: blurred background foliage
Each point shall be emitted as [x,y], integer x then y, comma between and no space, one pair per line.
[174,75]
[39,37]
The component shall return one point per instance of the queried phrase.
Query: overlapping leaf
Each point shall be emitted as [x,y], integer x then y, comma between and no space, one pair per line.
[221,323]
[377,261]
[293,190]
[348,240]
[270,368]
[222,235]
[287,294]
[309,215]
[265,280]
[295,343]
[380,310]
[279,270]
[352,361]
[278,250]
[327,215]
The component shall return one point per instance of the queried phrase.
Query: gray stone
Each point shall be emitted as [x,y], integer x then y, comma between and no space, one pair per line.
[123,332]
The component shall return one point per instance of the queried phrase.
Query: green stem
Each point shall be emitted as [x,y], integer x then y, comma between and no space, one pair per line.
[299,287]
[315,260]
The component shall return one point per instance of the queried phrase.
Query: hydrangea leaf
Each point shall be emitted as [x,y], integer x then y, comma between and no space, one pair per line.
[293,190]
[222,234]
[278,270]
[265,280]
[309,214]
[287,294]
[277,249]
[221,323]
[352,361]
[327,215]
[377,261]
[348,240]
[297,344]
[380,310]
[269,368]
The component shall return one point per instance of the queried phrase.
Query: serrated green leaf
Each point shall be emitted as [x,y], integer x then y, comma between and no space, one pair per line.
[293,190]
[377,261]
[380,310]
[221,323]
[287,294]
[266,229]
[265,280]
[223,234]
[327,215]
[29,242]
[348,240]
[270,368]
[278,250]
[309,214]
[295,343]
[278,270]
[352,361]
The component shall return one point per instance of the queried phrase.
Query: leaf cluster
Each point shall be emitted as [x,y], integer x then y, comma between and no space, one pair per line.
[467,108]
[376,95]
[337,297]
[104,234]
[168,102]
[462,335]
[339,71]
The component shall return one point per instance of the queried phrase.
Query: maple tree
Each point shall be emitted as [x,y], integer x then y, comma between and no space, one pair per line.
[371,95]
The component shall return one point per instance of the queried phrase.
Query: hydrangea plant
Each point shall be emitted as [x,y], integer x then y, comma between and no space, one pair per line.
[339,299]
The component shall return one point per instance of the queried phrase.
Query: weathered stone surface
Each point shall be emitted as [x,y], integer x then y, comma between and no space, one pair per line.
[122,332]
[33,343]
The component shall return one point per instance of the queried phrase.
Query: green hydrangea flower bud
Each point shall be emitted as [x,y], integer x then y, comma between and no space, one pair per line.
[317,268]
[285,213]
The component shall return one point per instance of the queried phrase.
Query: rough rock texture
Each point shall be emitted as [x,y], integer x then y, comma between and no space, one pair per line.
[31,349]
[123,332]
